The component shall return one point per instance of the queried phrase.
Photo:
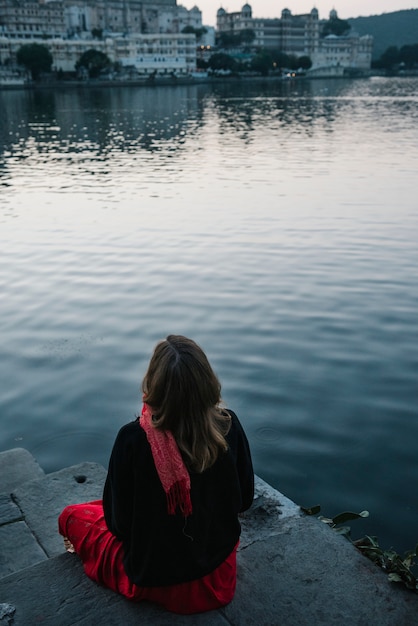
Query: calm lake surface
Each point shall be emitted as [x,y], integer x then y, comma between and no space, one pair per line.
[276,224]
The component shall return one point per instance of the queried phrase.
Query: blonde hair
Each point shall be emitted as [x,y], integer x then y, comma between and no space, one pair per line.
[185,395]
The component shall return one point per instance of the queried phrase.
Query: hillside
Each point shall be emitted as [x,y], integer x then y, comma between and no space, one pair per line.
[389,29]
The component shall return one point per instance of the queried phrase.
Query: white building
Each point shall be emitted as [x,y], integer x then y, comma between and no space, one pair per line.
[131,16]
[159,54]
[350,52]
[300,35]
[60,18]
[147,54]
[266,30]
[31,20]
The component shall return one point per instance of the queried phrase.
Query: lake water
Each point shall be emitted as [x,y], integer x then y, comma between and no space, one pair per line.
[276,224]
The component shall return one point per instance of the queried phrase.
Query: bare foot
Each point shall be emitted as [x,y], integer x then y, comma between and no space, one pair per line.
[68,545]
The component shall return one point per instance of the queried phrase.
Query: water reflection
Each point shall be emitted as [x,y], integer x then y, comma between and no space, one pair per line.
[154,119]
[120,118]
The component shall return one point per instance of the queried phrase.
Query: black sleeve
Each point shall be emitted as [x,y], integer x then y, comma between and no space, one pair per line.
[119,487]
[240,449]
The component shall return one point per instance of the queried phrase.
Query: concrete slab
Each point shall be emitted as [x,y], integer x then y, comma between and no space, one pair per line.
[287,508]
[19,549]
[269,509]
[9,512]
[304,576]
[307,575]
[42,500]
[16,467]
[293,570]
[58,592]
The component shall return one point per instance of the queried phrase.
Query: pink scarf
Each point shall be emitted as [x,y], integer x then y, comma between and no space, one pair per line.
[171,469]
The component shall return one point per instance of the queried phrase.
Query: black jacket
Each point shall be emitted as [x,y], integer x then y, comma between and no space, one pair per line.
[162,549]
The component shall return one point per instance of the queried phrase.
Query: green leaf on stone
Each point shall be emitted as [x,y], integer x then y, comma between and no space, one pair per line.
[348,516]
[311,510]
[395,578]
[343,530]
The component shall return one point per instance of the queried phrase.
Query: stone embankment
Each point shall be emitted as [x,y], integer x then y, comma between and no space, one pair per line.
[292,570]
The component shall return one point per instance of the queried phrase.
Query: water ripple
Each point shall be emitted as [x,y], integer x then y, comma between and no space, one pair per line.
[275,224]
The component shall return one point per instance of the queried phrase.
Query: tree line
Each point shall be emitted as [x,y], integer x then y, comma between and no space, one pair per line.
[37,59]
[264,62]
[396,58]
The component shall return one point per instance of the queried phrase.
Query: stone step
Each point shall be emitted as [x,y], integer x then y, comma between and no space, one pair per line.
[17,466]
[58,593]
[304,576]
[42,500]
[292,570]
[31,502]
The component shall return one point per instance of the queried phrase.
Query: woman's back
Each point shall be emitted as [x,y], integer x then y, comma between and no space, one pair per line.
[165,549]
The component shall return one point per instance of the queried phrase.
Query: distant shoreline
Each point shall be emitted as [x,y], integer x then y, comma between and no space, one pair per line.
[190,82]
[161,82]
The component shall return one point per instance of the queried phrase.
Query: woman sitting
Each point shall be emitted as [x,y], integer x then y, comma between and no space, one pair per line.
[167,529]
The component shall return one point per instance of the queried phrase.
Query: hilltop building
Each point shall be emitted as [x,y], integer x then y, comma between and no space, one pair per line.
[67,18]
[129,16]
[146,37]
[28,19]
[266,31]
[149,37]
[300,35]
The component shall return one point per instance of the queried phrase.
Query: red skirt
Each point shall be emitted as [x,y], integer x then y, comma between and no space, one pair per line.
[102,556]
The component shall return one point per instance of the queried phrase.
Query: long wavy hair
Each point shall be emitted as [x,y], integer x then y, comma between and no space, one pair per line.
[184,394]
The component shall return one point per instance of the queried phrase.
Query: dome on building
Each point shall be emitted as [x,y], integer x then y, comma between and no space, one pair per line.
[220,11]
[314,12]
[333,15]
[286,13]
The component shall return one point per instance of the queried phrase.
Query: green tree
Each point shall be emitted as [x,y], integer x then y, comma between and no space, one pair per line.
[201,64]
[222,61]
[227,40]
[36,58]
[409,55]
[247,36]
[389,58]
[304,62]
[280,59]
[262,62]
[335,26]
[293,62]
[188,30]
[94,61]
[230,39]
[199,32]
[97,33]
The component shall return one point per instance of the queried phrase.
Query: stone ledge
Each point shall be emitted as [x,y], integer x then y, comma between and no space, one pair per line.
[41,501]
[19,548]
[305,575]
[57,592]
[293,570]
[308,575]
[9,512]
[16,467]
